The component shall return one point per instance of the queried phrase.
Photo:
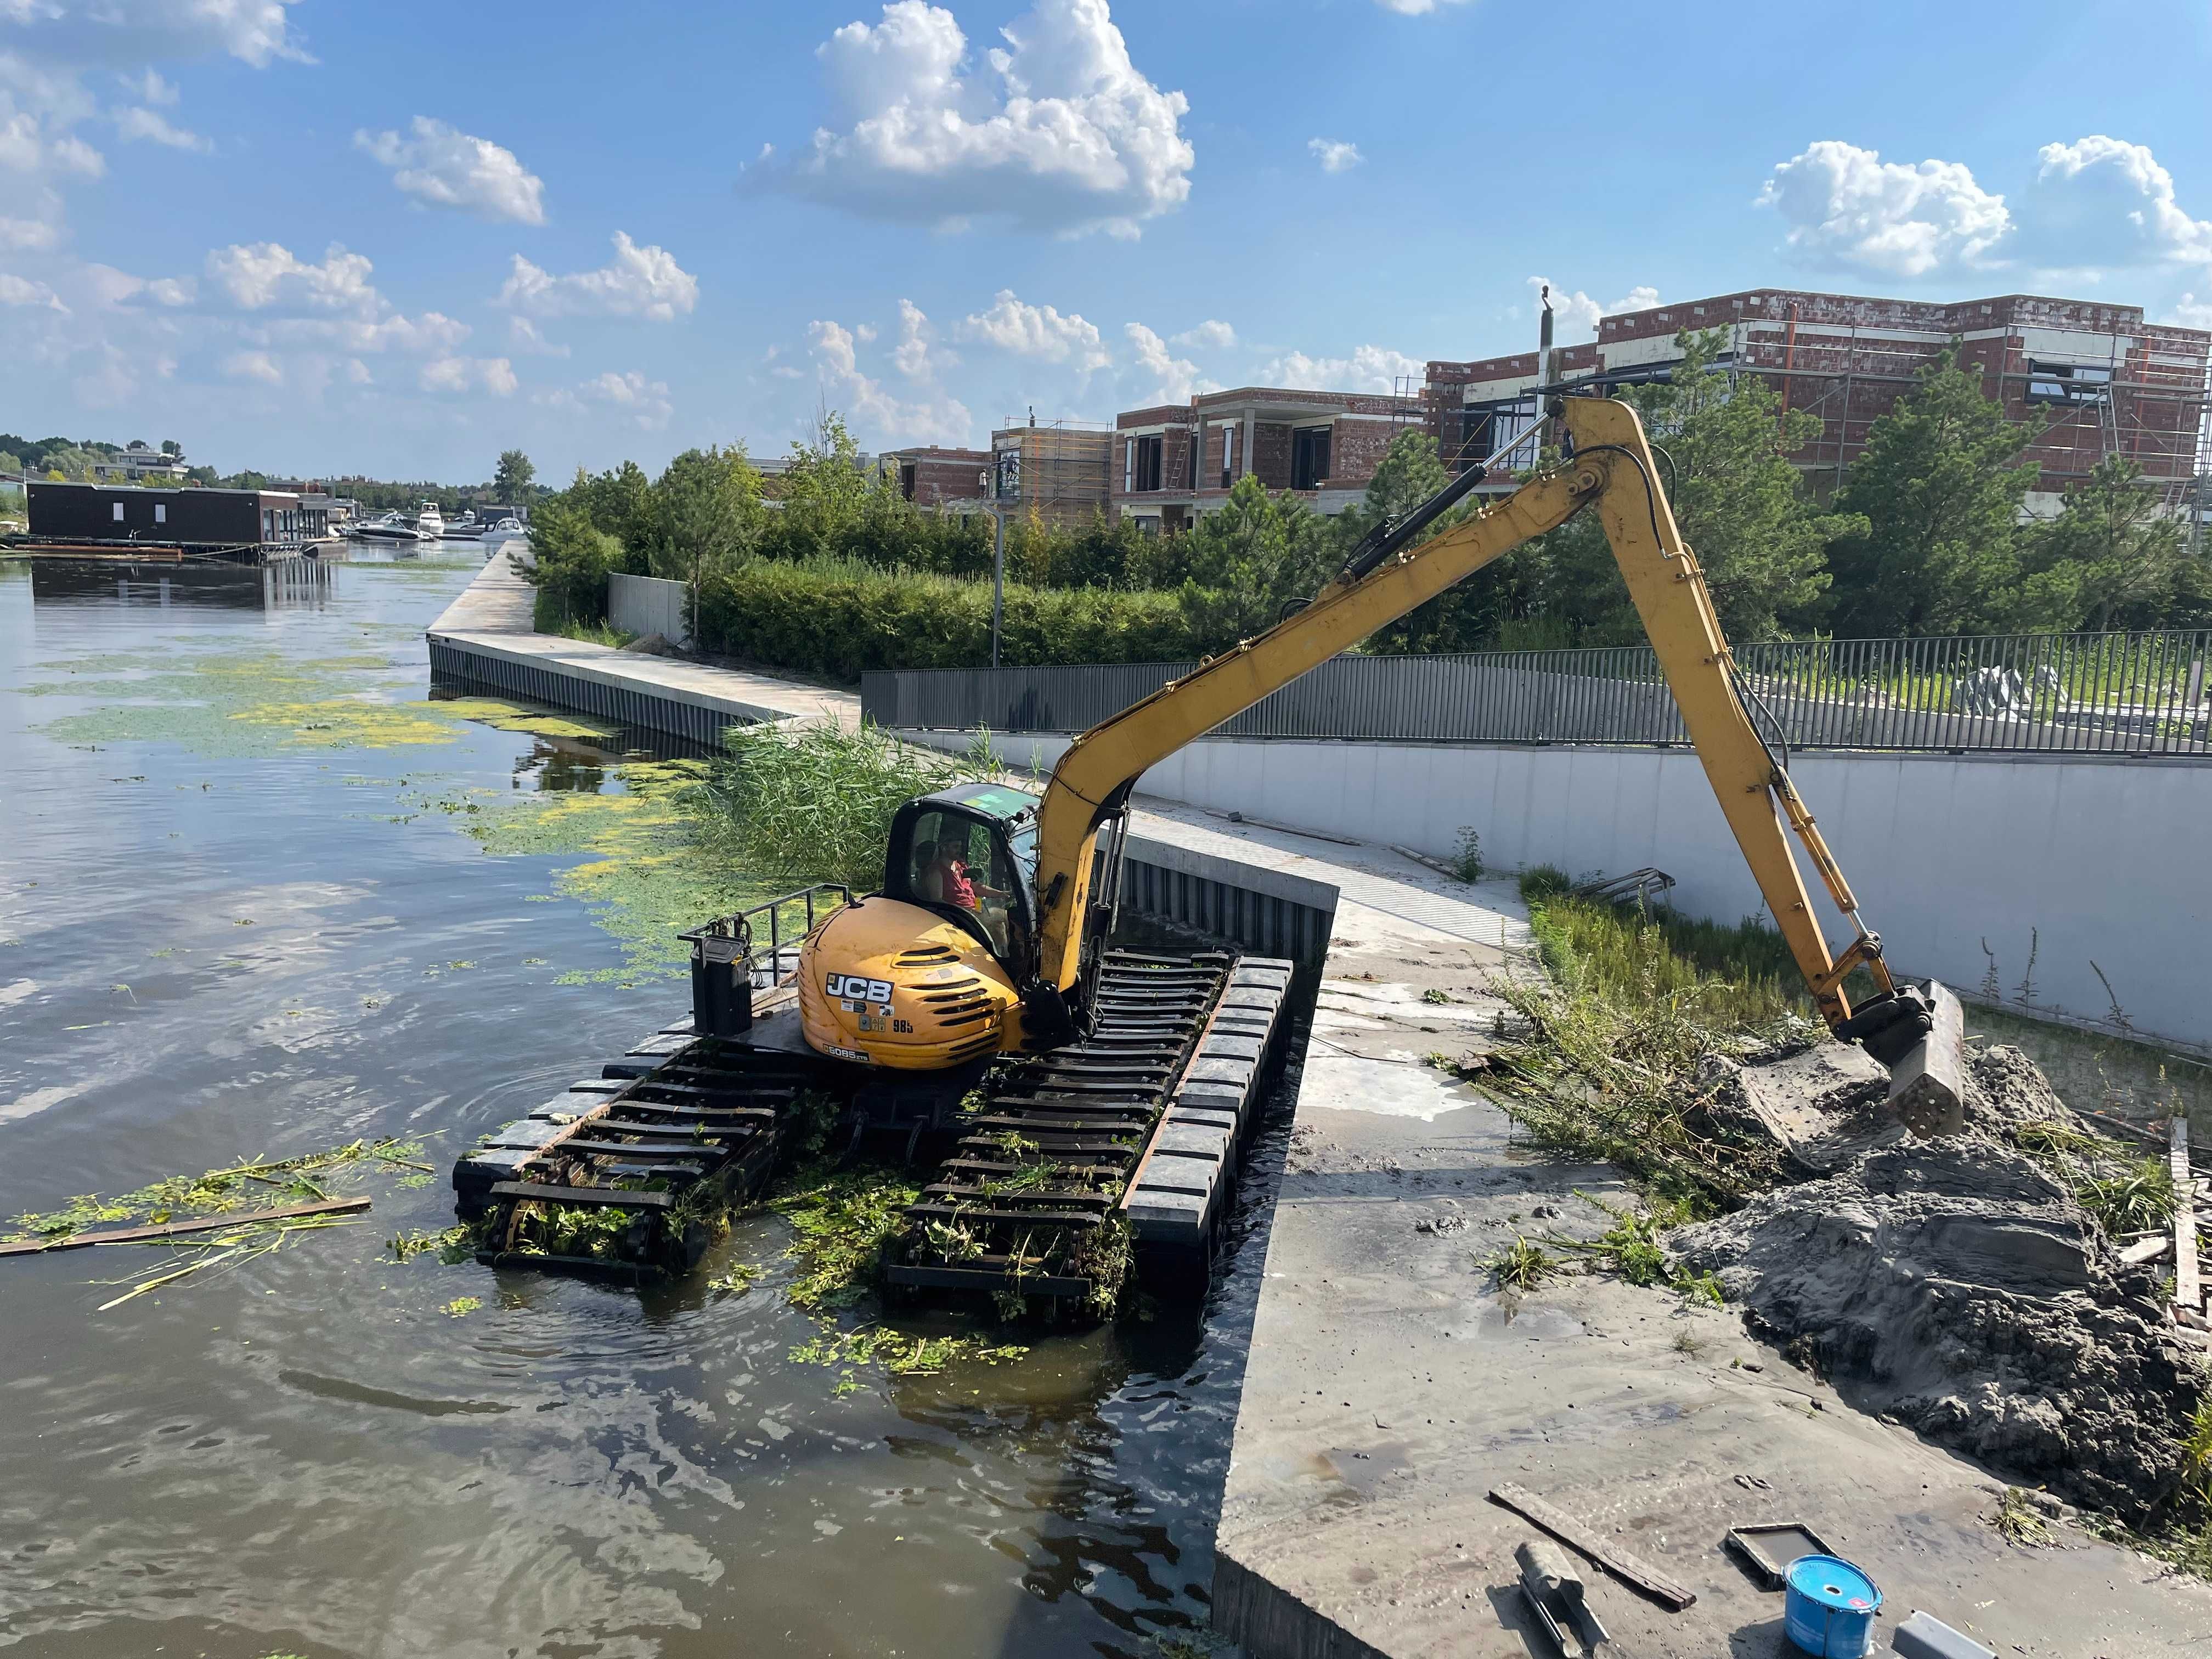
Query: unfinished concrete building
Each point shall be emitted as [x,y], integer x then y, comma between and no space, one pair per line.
[1057,470]
[2090,379]
[933,476]
[1175,461]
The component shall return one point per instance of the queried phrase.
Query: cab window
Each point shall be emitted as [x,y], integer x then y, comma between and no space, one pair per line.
[957,862]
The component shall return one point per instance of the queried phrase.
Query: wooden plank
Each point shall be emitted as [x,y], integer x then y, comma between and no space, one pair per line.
[210,1224]
[2188,1291]
[608,1197]
[1633,1568]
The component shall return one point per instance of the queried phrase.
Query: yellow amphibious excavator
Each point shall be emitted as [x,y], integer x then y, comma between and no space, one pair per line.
[990,932]
[1099,1094]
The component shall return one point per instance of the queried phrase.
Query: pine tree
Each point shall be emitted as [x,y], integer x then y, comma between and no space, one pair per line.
[1940,486]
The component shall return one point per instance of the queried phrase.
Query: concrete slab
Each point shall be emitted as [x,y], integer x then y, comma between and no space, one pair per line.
[1391,1384]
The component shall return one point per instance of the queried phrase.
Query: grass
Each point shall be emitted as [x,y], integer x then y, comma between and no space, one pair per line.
[2136,1198]
[1609,1072]
[816,804]
[2019,1521]
[593,633]
[1522,1266]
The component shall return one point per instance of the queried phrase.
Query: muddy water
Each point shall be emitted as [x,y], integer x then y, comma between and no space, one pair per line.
[239,913]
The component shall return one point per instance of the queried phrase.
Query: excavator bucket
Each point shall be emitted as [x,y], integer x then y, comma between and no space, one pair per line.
[1920,1035]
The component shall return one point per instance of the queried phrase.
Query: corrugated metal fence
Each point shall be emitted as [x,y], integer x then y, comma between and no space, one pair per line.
[2065,693]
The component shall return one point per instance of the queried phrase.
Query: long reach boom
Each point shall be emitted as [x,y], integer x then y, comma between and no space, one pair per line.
[1609,465]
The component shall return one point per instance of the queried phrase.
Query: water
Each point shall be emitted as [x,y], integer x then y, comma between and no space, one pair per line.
[236,937]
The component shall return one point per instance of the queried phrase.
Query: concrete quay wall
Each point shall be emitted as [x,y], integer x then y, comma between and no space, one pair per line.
[2072,888]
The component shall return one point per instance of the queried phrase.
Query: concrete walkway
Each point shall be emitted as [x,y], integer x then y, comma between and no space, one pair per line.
[492,618]
[1390,1384]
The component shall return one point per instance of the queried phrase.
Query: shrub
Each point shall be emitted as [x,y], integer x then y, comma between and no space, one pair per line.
[838,619]
[816,804]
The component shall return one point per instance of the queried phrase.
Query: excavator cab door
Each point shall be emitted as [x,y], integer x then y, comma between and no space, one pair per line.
[973,862]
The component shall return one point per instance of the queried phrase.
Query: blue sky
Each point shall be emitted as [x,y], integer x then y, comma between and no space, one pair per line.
[315,238]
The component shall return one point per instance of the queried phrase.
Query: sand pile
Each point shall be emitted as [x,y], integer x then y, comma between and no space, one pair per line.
[1954,1284]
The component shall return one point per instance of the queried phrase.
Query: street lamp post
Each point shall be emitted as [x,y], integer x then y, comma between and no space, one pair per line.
[991,481]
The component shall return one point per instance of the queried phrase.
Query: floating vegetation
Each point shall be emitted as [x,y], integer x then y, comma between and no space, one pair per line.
[258,703]
[647,875]
[899,1353]
[461,1306]
[231,1248]
[840,1219]
[453,1244]
[254,1182]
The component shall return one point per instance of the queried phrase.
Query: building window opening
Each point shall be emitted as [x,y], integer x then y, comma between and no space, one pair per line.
[906,480]
[1228,455]
[160,513]
[118,513]
[1308,457]
[2068,383]
[1151,455]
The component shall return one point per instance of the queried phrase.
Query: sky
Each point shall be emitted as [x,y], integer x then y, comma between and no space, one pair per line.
[395,239]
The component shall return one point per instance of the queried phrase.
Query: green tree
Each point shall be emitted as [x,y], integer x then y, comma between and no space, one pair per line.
[572,559]
[1242,563]
[1940,485]
[1743,507]
[2112,557]
[824,491]
[171,447]
[511,482]
[710,505]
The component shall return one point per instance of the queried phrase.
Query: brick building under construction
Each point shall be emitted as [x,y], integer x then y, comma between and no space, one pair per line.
[2093,379]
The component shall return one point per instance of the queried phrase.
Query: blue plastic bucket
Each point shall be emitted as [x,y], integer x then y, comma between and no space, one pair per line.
[1830,1607]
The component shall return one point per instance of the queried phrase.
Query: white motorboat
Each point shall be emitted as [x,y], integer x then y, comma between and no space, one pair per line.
[385,527]
[429,523]
[466,528]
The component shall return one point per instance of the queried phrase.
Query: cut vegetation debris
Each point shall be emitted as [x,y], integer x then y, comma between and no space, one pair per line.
[308,1178]
[208,1221]
[1970,1285]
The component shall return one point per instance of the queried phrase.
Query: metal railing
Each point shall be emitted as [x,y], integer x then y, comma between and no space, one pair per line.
[2132,693]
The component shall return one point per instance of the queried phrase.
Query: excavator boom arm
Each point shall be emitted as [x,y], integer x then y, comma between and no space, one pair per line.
[1611,467]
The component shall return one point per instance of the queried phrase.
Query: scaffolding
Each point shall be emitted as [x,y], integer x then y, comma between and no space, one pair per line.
[1060,470]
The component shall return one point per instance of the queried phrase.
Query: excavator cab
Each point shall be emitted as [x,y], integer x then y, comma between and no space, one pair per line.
[969,854]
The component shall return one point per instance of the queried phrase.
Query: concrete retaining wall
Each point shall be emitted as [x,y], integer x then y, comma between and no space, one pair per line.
[647,605]
[2018,879]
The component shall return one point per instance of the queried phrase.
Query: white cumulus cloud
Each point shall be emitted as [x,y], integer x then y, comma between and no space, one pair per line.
[1057,130]
[884,418]
[526,336]
[22,291]
[259,276]
[1417,8]
[1176,380]
[446,167]
[1334,155]
[492,374]
[1211,335]
[136,32]
[1847,209]
[1042,332]
[253,365]
[27,144]
[1368,369]
[639,282]
[138,122]
[1576,313]
[2102,201]
[643,402]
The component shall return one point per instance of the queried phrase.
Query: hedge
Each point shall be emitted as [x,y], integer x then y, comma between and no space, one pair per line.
[837,618]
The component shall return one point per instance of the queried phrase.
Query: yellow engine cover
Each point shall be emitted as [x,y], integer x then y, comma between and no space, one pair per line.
[892,984]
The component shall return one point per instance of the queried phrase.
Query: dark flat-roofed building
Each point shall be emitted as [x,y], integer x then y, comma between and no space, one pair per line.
[244,523]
